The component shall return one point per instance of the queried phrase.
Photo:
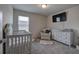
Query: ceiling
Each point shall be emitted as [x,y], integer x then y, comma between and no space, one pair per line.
[36,8]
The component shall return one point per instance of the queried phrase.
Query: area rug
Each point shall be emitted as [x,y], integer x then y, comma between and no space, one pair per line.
[46,42]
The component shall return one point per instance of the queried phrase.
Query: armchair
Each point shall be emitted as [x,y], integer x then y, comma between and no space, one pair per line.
[46,34]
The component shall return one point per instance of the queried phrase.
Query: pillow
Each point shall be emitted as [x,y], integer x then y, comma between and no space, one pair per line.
[47,31]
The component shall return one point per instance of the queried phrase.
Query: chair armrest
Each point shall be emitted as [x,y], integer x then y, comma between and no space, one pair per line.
[45,33]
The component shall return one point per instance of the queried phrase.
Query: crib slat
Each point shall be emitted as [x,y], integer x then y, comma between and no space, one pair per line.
[27,37]
[15,49]
[25,43]
[22,44]
[12,46]
[19,45]
[15,41]
[30,43]
[12,42]
[7,45]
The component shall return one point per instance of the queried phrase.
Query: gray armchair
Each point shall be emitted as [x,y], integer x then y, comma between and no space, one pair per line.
[46,34]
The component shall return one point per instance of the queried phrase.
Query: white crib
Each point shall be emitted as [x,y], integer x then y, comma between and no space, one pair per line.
[19,43]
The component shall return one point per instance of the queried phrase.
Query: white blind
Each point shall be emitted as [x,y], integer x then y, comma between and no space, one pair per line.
[23,23]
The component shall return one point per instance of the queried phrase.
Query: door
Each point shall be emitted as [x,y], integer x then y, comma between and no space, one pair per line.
[0,32]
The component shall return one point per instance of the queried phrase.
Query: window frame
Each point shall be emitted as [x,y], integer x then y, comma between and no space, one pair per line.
[28,21]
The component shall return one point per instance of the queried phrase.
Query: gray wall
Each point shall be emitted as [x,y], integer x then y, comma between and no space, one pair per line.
[71,23]
[37,22]
[7,17]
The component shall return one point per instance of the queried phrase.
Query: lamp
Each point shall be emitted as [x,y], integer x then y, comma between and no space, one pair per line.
[43,5]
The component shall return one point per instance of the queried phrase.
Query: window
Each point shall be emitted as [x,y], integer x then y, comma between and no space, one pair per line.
[23,23]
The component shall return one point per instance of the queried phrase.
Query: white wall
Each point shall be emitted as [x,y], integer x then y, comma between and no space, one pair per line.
[71,23]
[0,31]
[37,22]
[7,17]
[7,11]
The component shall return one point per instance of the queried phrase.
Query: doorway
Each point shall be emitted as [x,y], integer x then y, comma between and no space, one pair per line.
[1,32]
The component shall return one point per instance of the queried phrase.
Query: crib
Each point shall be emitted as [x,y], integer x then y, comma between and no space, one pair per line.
[18,43]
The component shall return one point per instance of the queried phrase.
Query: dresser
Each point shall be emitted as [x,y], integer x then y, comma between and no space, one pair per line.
[65,37]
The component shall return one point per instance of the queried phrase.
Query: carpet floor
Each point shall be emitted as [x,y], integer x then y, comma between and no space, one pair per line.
[56,48]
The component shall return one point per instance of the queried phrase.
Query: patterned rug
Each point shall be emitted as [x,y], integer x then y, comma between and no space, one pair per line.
[46,42]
